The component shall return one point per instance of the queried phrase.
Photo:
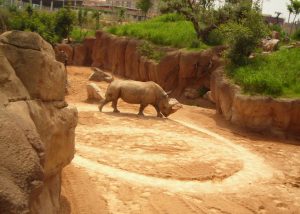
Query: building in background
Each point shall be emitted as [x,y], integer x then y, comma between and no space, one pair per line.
[128,5]
[52,4]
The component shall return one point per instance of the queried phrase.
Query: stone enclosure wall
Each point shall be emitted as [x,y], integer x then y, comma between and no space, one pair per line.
[279,116]
[36,125]
[179,70]
[176,71]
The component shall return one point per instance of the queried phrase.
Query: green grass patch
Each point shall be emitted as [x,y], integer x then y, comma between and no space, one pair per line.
[78,35]
[276,75]
[167,30]
[150,51]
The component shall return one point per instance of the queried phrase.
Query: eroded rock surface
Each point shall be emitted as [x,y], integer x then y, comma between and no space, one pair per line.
[36,126]
[259,113]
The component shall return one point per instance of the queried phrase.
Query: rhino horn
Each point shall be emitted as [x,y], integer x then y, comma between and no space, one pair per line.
[169,92]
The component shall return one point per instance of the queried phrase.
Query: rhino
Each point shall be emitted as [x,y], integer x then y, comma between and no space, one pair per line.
[143,93]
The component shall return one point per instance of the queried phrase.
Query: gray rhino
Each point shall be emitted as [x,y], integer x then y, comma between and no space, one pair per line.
[143,93]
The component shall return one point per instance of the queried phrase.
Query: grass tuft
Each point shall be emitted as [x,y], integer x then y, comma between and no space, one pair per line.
[276,75]
[167,30]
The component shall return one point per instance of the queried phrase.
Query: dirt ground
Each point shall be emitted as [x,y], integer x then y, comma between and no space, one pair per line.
[192,162]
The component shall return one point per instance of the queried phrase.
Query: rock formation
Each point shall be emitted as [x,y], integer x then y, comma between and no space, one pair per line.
[93,92]
[174,72]
[259,113]
[99,75]
[36,125]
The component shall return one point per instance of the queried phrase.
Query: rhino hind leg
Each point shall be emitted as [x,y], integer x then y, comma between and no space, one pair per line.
[103,103]
[141,111]
[114,105]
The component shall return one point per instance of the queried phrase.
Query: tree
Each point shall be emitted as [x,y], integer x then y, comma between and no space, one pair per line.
[144,6]
[29,10]
[290,9]
[64,23]
[243,35]
[200,13]
[121,14]
[82,18]
[277,17]
[296,10]
[96,15]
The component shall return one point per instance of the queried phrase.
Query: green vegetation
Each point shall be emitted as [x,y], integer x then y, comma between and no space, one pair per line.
[150,51]
[276,75]
[144,6]
[293,8]
[296,35]
[168,30]
[78,34]
[64,21]
[244,34]
[52,26]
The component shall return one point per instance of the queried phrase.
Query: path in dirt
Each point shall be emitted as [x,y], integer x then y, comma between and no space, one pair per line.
[192,162]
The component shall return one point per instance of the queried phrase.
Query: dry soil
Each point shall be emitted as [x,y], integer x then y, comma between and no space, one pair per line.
[192,162]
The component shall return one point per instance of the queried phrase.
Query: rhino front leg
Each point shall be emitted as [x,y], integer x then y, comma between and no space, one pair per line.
[158,111]
[114,105]
[141,111]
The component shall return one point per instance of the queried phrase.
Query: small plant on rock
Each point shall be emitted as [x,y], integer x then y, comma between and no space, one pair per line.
[149,50]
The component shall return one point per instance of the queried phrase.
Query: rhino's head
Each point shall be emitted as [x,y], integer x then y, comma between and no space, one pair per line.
[170,106]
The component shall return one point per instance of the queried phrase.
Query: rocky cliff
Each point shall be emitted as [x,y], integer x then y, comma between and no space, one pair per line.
[36,125]
[259,113]
[175,71]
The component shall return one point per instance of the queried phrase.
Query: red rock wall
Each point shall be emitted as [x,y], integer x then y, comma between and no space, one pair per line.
[175,71]
[278,116]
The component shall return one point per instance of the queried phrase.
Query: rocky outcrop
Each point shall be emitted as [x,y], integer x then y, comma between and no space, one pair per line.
[36,125]
[279,116]
[68,50]
[175,71]
[99,75]
[269,45]
[93,92]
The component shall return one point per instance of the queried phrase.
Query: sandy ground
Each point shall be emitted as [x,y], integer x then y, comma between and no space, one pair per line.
[192,162]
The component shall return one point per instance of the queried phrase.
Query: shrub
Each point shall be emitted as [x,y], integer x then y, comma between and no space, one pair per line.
[40,22]
[64,21]
[215,37]
[276,75]
[279,29]
[296,35]
[244,35]
[78,34]
[150,51]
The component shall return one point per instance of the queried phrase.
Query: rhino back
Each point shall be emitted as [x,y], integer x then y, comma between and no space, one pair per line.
[136,92]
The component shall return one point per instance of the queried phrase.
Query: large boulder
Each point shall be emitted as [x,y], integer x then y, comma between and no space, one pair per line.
[191,93]
[93,92]
[33,61]
[36,126]
[98,75]
[270,45]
